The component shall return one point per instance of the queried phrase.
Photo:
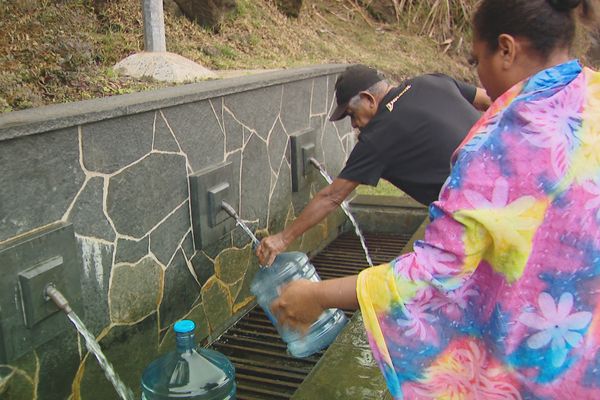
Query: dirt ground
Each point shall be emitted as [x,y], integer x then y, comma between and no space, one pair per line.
[54,51]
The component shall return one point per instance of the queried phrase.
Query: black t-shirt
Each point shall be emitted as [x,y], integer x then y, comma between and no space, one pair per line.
[412,136]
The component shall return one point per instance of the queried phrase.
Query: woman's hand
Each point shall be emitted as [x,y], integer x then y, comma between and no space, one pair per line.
[298,305]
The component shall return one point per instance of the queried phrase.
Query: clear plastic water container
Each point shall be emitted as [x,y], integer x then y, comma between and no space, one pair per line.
[189,373]
[265,286]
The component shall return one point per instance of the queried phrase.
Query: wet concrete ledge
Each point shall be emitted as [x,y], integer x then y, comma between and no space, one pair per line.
[47,118]
[347,370]
[388,214]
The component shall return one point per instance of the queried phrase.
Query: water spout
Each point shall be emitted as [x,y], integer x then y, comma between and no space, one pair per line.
[51,293]
[57,297]
[231,211]
[345,208]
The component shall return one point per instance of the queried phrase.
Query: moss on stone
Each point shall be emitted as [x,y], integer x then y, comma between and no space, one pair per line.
[135,290]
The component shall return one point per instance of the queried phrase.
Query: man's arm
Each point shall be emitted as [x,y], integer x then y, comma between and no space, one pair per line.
[324,202]
[475,95]
[482,100]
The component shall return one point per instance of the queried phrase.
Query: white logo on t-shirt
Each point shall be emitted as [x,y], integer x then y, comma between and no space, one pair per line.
[390,105]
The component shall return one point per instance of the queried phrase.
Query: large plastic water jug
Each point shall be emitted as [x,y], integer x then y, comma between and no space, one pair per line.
[265,286]
[189,373]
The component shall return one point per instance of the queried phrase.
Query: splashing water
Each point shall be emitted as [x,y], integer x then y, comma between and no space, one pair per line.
[92,345]
[346,209]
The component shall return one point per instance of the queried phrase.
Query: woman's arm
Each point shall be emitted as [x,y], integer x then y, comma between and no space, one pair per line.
[302,301]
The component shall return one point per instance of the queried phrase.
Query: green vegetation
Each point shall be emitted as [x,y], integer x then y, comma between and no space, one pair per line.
[55,51]
[384,188]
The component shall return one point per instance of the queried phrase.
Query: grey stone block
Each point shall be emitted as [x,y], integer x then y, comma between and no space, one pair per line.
[331,102]
[19,386]
[318,124]
[214,248]
[318,103]
[344,126]
[96,261]
[198,132]
[87,215]
[217,105]
[231,264]
[142,195]
[217,305]
[165,239]
[295,106]
[244,292]
[131,251]
[335,155]
[234,132]
[188,246]
[163,137]
[240,238]
[113,144]
[135,291]
[280,199]
[38,185]
[180,291]
[257,109]
[203,267]
[235,159]
[58,362]
[256,181]
[278,143]
[247,134]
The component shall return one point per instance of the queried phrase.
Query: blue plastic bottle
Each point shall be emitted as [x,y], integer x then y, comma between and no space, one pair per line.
[265,286]
[189,373]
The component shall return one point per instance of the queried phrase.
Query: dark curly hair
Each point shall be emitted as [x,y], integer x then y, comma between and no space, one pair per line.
[547,24]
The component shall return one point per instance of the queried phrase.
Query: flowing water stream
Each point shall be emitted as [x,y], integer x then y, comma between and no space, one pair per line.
[93,346]
[90,342]
[346,209]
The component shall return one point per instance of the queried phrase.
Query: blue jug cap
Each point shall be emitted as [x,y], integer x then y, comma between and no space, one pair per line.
[184,326]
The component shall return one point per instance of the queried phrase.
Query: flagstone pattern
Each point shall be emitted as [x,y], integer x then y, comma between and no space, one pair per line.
[121,176]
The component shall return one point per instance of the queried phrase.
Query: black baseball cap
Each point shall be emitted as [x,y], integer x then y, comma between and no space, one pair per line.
[351,82]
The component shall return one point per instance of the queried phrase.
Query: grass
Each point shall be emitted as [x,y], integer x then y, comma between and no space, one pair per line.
[384,188]
[64,50]
[55,51]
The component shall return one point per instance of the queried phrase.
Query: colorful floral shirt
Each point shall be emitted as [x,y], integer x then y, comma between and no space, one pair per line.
[501,300]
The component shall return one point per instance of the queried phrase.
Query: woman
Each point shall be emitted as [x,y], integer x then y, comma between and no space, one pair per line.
[502,298]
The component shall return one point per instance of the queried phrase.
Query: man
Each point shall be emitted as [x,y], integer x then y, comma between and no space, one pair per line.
[406,135]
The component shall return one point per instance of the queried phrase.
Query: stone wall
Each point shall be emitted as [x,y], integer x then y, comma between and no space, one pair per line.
[118,170]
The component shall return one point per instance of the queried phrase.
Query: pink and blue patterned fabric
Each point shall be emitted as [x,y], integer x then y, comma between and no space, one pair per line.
[501,300]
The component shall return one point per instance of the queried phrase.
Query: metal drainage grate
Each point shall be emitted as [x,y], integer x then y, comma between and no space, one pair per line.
[264,370]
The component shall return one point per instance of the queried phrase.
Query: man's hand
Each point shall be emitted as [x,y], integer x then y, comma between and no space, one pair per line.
[298,305]
[269,248]
[324,202]
[482,100]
